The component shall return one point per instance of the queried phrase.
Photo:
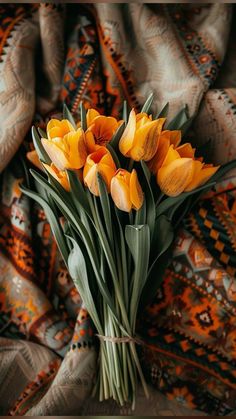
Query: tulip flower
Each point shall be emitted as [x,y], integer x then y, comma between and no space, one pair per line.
[178,174]
[65,146]
[166,138]
[100,161]
[100,129]
[59,175]
[126,191]
[140,137]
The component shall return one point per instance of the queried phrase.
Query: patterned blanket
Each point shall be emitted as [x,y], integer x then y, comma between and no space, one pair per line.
[103,54]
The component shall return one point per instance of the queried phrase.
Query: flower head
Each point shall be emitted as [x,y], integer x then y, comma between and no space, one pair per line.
[140,137]
[65,146]
[126,191]
[100,161]
[180,171]
[100,129]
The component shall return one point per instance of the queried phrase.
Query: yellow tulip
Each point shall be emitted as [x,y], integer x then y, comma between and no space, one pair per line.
[100,161]
[180,172]
[140,137]
[126,191]
[100,129]
[59,175]
[166,138]
[65,146]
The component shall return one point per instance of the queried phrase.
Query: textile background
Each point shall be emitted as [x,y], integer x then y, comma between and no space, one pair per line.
[103,54]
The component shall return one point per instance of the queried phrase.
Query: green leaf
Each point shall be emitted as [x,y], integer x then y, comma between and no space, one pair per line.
[78,272]
[83,118]
[150,203]
[78,193]
[114,156]
[52,219]
[178,120]
[43,156]
[68,115]
[172,201]
[123,254]
[141,214]
[155,279]
[164,112]
[105,203]
[79,227]
[138,240]
[147,105]
[125,112]
[42,133]
[186,125]
[162,237]
[114,143]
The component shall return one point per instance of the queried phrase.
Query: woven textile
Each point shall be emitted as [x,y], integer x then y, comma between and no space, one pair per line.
[103,54]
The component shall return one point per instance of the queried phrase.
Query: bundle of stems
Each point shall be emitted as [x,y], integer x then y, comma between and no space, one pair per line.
[121,204]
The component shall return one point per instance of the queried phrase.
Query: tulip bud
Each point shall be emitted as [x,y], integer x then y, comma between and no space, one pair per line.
[101,162]
[126,191]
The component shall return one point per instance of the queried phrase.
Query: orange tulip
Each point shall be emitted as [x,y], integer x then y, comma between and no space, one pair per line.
[59,175]
[100,129]
[126,191]
[65,146]
[180,172]
[166,138]
[100,161]
[33,157]
[140,137]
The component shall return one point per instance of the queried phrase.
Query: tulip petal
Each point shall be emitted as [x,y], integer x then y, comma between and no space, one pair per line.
[107,173]
[76,149]
[56,128]
[108,160]
[90,179]
[33,157]
[136,193]
[175,137]
[103,128]
[201,175]
[99,161]
[171,155]
[56,154]
[186,150]
[121,194]
[91,115]
[164,143]
[127,138]
[174,177]
[141,119]
[90,141]
[146,140]
[60,176]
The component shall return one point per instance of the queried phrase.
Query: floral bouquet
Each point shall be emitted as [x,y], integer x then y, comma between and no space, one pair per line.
[114,192]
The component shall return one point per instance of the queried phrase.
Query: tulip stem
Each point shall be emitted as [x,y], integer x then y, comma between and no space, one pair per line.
[159,199]
[131,164]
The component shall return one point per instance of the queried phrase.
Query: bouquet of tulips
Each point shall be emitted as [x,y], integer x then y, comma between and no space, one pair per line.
[114,193]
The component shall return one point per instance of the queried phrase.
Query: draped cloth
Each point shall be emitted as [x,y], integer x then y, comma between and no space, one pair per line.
[103,54]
